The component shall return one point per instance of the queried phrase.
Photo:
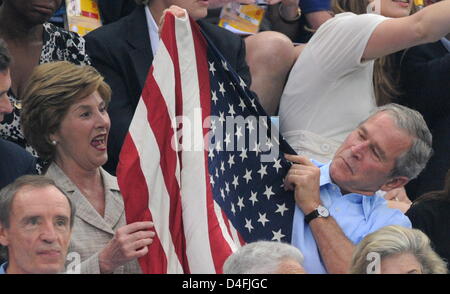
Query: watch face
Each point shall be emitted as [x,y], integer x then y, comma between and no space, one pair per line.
[323,211]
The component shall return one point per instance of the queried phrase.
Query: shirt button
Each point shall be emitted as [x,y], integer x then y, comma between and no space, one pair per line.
[325,148]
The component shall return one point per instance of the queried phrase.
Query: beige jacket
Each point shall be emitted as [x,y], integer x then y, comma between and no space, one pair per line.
[91,232]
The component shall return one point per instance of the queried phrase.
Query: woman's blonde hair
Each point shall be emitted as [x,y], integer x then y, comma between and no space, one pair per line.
[393,240]
[386,73]
[51,90]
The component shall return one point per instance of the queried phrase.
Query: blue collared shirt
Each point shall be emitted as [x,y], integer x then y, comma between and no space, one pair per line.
[357,215]
[3,268]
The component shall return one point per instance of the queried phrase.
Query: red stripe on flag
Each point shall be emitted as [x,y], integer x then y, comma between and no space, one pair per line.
[168,37]
[161,125]
[135,194]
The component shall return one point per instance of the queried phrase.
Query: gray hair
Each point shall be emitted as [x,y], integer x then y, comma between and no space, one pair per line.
[412,162]
[393,240]
[5,57]
[262,257]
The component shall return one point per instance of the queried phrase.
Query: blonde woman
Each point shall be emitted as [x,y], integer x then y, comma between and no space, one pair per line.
[64,118]
[396,250]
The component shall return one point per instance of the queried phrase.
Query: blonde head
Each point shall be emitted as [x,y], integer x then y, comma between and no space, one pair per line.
[51,90]
[394,240]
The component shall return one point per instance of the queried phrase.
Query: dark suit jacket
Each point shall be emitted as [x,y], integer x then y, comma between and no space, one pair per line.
[14,162]
[113,10]
[122,53]
[425,75]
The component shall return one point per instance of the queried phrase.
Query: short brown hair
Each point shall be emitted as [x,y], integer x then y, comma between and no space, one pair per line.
[8,193]
[51,90]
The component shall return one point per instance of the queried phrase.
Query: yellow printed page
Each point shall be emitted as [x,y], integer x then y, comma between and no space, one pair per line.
[242,19]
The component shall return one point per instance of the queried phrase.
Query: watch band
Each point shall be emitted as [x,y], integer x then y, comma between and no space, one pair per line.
[320,211]
[312,215]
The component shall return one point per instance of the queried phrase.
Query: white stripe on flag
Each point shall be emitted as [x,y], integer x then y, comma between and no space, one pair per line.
[159,200]
[234,234]
[195,217]
[163,68]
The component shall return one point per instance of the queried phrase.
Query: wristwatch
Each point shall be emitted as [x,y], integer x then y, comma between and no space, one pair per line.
[320,211]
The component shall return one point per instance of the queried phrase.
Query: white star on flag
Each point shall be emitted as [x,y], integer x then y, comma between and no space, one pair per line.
[263,170]
[277,235]
[241,203]
[256,148]
[221,117]
[233,209]
[231,110]
[212,68]
[231,160]
[235,182]
[222,89]
[253,198]
[248,225]
[211,153]
[262,219]
[268,192]
[243,155]
[242,105]
[214,97]
[248,175]
[225,65]
[238,133]
[218,146]
[281,209]
[277,164]
[227,140]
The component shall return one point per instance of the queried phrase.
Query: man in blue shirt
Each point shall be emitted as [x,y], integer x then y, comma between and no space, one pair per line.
[337,205]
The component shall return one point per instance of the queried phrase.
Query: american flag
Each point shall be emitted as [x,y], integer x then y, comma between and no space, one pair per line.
[201,160]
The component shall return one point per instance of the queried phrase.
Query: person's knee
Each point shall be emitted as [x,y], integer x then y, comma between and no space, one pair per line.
[270,50]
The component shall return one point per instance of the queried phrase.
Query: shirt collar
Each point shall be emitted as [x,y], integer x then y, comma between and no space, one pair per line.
[367,201]
[3,268]
[446,43]
[325,177]
[153,30]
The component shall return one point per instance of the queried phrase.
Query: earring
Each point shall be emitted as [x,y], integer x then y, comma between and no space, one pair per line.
[54,142]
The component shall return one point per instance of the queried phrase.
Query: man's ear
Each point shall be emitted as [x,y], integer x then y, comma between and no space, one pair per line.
[394,183]
[3,235]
